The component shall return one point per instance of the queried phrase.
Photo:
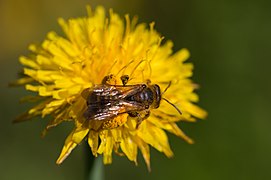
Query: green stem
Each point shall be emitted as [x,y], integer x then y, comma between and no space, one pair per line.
[95,168]
[97,171]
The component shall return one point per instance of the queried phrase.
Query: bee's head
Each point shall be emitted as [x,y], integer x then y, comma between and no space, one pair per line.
[156,96]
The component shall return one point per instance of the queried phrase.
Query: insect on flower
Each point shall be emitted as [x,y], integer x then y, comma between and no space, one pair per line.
[106,101]
[104,75]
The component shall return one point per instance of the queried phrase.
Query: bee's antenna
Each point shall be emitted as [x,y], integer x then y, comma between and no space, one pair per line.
[169,84]
[179,111]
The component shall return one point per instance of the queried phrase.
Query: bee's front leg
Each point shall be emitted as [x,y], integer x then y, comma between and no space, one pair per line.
[146,114]
[140,116]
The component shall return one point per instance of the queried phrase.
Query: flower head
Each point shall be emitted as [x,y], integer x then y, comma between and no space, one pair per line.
[97,52]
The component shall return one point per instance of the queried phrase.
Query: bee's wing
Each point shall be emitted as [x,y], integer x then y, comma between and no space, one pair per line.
[98,111]
[129,90]
[112,90]
[106,101]
[111,109]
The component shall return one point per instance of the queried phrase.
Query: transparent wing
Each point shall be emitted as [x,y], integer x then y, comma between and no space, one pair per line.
[111,110]
[106,102]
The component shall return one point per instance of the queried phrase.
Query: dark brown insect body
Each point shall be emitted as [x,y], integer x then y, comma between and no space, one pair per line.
[106,102]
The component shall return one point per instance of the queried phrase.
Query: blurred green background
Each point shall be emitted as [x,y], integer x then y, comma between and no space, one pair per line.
[230,43]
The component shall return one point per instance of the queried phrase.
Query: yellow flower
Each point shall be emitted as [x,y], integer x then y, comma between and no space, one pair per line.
[61,69]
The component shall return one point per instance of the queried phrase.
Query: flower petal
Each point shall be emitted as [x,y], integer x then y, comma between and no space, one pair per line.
[71,142]
[106,146]
[145,150]
[128,146]
[156,137]
[93,141]
[171,127]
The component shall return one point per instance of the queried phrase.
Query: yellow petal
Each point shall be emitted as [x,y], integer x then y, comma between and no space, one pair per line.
[195,110]
[41,75]
[107,159]
[67,149]
[106,146]
[71,142]
[60,94]
[64,44]
[128,146]
[156,137]
[93,141]
[171,127]
[145,150]
[117,134]
[181,55]
[21,81]
[79,134]
[29,62]
[38,108]
[44,61]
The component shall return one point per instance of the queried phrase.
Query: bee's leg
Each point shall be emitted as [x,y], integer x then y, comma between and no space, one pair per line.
[133,114]
[137,116]
[124,79]
[140,118]
[108,79]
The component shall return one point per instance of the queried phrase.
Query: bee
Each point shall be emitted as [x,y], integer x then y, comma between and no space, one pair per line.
[105,101]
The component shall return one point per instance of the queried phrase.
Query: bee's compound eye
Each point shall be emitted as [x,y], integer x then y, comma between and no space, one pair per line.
[147,106]
[144,86]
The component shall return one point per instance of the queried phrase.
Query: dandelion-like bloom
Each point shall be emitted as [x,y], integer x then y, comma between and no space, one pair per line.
[94,47]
